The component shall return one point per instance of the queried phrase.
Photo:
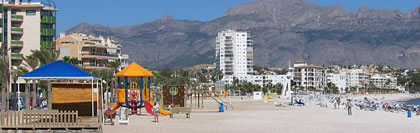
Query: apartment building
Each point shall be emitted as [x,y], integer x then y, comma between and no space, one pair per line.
[383,81]
[235,59]
[234,53]
[25,26]
[339,80]
[309,75]
[93,52]
[357,78]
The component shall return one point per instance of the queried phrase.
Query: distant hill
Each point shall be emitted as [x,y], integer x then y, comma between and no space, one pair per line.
[282,30]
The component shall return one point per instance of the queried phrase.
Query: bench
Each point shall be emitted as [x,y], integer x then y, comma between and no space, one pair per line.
[185,110]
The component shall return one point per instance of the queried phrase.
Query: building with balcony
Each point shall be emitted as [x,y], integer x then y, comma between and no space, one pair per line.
[309,76]
[93,52]
[23,25]
[235,59]
[357,78]
[383,81]
[340,80]
[234,53]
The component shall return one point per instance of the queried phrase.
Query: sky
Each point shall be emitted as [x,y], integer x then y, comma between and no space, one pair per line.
[116,13]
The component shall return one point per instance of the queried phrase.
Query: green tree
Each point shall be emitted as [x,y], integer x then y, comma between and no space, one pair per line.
[4,78]
[72,60]
[44,56]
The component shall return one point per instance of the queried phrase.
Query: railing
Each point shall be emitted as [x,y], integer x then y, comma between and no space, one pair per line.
[14,42]
[16,55]
[48,19]
[101,54]
[47,44]
[47,32]
[39,119]
[17,17]
[16,30]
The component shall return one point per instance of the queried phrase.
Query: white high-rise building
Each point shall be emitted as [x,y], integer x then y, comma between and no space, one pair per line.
[234,58]
[234,53]
[26,25]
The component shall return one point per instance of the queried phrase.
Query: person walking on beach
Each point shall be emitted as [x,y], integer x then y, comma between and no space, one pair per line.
[348,106]
[338,102]
[156,112]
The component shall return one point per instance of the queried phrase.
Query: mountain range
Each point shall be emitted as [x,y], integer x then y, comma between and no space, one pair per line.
[282,31]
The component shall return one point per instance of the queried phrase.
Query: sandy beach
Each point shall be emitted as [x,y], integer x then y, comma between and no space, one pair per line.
[263,116]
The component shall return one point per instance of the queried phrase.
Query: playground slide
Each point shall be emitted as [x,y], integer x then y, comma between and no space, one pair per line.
[148,106]
[163,112]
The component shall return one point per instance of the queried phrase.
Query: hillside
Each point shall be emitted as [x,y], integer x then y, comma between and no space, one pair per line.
[282,30]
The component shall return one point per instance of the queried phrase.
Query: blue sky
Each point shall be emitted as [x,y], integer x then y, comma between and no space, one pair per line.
[117,13]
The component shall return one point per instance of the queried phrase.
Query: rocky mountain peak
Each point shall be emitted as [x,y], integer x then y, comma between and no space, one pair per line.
[282,30]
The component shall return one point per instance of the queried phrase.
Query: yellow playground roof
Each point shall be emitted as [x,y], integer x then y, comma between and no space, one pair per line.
[134,70]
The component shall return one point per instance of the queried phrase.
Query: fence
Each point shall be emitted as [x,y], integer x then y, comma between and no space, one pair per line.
[39,119]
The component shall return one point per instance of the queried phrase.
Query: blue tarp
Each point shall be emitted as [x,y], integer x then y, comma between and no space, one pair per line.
[58,70]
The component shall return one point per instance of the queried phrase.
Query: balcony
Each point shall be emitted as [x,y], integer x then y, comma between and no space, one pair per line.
[47,32]
[95,66]
[99,55]
[16,17]
[16,56]
[15,30]
[48,19]
[123,56]
[47,44]
[15,43]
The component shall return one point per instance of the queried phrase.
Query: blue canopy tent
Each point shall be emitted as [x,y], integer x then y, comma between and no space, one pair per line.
[62,71]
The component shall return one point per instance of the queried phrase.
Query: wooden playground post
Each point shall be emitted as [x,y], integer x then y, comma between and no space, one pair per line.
[49,96]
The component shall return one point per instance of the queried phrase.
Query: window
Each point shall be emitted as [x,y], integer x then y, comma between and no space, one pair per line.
[30,12]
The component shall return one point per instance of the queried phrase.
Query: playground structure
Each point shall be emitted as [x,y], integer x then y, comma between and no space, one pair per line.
[136,93]
[65,111]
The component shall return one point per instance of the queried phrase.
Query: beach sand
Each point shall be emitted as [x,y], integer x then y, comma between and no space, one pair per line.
[258,116]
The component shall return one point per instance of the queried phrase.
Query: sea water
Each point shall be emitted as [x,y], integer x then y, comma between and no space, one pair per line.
[413,102]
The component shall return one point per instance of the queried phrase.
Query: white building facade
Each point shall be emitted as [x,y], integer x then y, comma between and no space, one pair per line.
[309,76]
[383,81]
[339,80]
[234,58]
[234,53]
[357,78]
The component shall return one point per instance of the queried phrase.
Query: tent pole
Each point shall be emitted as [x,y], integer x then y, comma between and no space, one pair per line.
[150,89]
[97,100]
[126,91]
[18,93]
[141,89]
[102,105]
[93,109]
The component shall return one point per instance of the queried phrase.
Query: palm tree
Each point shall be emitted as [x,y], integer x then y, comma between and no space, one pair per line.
[4,79]
[16,73]
[44,56]
[32,62]
[114,65]
[72,60]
